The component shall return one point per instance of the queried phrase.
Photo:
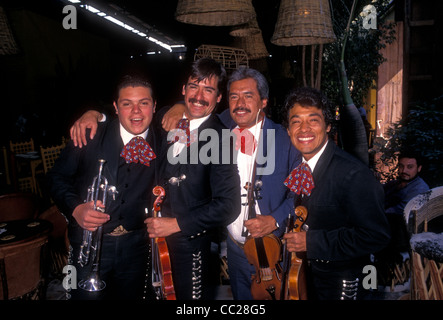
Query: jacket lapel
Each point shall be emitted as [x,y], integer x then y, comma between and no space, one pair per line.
[112,145]
[323,162]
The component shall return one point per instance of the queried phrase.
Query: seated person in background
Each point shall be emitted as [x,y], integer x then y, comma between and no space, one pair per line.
[398,192]
[408,184]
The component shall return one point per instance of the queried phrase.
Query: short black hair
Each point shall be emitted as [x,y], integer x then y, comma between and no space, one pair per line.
[406,153]
[133,80]
[205,68]
[243,72]
[307,97]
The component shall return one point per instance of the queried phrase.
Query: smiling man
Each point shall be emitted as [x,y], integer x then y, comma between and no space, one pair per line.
[206,196]
[346,221]
[248,96]
[124,246]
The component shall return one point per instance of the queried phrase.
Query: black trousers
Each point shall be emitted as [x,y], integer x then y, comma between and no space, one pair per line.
[190,261]
[327,281]
[123,267]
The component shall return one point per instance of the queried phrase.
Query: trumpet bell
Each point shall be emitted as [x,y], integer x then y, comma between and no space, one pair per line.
[92,284]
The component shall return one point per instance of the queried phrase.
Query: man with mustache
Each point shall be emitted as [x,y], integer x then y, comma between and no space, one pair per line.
[200,197]
[397,194]
[408,184]
[248,93]
[207,195]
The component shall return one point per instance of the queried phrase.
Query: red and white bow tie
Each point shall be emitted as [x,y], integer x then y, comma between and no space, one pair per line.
[245,141]
[138,151]
[300,180]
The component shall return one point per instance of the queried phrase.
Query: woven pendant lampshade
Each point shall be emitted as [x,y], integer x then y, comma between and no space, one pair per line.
[253,45]
[303,22]
[214,12]
[245,30]
[7,41]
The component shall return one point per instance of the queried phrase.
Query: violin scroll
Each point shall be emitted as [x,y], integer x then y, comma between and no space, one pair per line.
[161,264]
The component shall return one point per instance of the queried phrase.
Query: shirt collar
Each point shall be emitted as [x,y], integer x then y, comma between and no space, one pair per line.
[313,161]
[126,136]
[195,123]
[255,129]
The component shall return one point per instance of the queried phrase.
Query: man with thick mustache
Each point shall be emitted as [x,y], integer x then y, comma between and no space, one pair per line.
[207,196]
[248,97]
[200,197]
[248,92]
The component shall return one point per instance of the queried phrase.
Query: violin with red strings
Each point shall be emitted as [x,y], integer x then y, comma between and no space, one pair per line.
[294,285]
[161,264]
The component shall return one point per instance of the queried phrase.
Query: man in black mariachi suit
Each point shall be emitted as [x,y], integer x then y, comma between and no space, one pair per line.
[346,221]
[125,240]
[202,188]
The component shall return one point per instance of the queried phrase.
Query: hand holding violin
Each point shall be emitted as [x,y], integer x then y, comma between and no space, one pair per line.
[295,241]
[260,225]
[161,227]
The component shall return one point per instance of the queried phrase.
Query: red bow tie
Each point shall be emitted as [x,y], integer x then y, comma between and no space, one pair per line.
[138,150]
[245,141]
[183,135]
[300,180]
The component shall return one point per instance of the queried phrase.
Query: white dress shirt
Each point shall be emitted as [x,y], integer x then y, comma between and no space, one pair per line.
[245,165]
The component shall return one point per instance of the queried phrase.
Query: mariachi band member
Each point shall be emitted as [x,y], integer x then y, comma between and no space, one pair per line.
[346,220]
[247,95]
[200,198]
[207,194]
[125,241]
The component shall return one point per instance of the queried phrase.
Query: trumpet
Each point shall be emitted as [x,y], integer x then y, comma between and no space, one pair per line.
[92,241]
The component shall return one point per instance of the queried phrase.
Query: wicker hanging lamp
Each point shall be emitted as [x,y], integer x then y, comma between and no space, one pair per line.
[303,22]
[246,29]
[253,45]
[7,41]
[214,12]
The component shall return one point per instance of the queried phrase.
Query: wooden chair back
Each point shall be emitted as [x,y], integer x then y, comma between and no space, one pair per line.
[58,245]
[21,147]
[49,155]
[427,270]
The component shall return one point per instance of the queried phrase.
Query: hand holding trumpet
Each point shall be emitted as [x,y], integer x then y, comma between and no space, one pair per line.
[88,218]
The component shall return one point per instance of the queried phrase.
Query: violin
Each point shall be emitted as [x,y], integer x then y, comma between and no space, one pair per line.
[264,253]
[161,264]
[294,286]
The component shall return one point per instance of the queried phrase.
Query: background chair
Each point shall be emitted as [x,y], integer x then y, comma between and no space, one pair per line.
[22,147]
[17,206]
[24,171]
[58,243]
[21,270]
[423,215]
[49,155]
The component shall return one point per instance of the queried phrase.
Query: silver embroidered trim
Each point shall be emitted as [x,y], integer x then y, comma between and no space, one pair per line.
[196,276]
[349,289]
